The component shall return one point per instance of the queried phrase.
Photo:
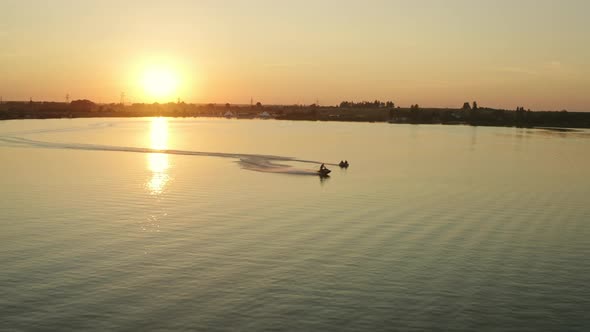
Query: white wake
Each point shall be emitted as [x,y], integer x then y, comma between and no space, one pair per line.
[253,162]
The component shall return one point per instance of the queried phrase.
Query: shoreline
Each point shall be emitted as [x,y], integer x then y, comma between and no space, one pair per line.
[565,129]
[445,116]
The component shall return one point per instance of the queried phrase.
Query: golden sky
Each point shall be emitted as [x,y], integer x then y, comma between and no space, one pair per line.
[533,53]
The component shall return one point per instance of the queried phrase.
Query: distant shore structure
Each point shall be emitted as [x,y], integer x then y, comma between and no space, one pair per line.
[364,111]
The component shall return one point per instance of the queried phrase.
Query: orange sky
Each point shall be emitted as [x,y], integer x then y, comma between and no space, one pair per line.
[434,53]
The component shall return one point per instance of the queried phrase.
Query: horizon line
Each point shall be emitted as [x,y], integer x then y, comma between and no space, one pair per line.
[2,101]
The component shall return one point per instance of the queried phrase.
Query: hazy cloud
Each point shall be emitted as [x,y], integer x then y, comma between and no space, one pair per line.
[550,67]
[287,65]
[554,65]
[9,54]
[517,70]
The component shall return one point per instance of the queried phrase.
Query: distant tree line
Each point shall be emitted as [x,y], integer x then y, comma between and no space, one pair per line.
[367,104]
[466,106]
[377,111]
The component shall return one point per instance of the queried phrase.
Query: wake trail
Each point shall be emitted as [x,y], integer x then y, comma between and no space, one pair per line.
[92,126]
[253,162]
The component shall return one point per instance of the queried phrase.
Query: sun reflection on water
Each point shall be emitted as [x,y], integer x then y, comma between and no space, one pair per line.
[158,163]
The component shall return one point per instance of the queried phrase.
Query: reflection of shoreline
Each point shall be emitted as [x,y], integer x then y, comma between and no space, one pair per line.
[567,130]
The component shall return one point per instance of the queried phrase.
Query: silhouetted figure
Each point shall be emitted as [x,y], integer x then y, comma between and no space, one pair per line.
[323,171]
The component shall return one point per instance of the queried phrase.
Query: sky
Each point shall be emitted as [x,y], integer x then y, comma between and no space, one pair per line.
[500,53]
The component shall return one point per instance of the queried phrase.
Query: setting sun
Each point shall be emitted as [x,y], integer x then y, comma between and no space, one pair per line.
[295,165]
[160,83]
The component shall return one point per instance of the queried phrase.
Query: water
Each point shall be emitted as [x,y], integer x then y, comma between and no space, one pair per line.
[432,227]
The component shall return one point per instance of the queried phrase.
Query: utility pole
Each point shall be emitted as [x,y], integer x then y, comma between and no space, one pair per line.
[67,98]
[122,100]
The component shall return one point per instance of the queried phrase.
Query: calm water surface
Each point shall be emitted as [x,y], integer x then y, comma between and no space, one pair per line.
[432,227]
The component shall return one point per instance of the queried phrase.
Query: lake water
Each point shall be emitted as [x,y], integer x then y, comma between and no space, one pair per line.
[431,227]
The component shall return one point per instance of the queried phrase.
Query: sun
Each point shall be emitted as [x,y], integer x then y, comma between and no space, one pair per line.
[160,83]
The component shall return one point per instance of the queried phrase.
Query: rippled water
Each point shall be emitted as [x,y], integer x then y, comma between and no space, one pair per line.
[432,227]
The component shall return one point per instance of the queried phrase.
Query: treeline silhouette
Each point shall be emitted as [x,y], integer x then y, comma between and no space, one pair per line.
[366,104]
[375,111]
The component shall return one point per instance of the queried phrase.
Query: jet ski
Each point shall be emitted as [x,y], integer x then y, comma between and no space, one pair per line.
[324,172]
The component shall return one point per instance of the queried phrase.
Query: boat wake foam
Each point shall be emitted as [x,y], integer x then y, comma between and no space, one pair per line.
[253,162]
